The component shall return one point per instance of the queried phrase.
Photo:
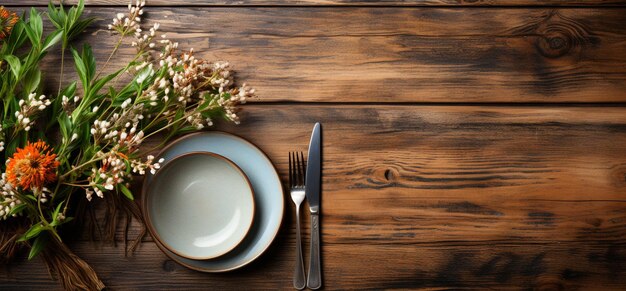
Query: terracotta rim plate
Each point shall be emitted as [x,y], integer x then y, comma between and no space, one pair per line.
[268,196]
[199,205]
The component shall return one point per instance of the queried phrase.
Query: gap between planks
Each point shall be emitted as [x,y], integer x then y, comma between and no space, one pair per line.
[442,104]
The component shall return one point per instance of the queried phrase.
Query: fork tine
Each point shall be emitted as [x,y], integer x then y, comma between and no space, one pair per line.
[290,170]
[295,169]
[299,173]
[303,169]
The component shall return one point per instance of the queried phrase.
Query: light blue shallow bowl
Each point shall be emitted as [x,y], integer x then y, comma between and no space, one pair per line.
[199,205]
[268,196]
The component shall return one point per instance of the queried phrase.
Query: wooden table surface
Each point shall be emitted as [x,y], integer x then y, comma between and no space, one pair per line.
[468,144]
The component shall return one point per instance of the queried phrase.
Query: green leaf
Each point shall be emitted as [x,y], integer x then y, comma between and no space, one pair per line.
[204,105]
[90,62]
[38,246]
[85,130]
[126,192]
[80,6]
[57,105]
[128,166]
[17,209]
[104,80]
[112,92]
[55,215]
[32,232]
[143,75]
[32,36]
[70,90]
[54,15]
[32,80]
[65,126]
[52,39]
[16,38]
[36,22]
[56,211]
[15,65]
[179,114]
[81,70]
[73,25]
[34,29]
[79,27]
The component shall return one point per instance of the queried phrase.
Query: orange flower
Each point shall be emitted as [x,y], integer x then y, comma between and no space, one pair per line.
[7,20]
[33,166]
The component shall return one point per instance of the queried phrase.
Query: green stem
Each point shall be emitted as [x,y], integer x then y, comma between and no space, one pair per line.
[117,46]
[155,119]
[74,185]
[41,216]
[56,190]
[79,167]
[126,68]
[62,67]
[69,196]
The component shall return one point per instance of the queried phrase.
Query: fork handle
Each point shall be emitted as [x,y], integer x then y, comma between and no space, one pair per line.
[315,267]
[299,279]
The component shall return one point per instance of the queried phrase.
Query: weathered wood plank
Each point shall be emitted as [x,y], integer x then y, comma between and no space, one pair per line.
[402,55]
[340,2]
[358,266]
[430,197]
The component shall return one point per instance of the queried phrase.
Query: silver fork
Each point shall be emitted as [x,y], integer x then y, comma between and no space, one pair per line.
[296,185]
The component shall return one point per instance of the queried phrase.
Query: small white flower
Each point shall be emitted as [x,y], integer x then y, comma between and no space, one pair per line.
[89,193]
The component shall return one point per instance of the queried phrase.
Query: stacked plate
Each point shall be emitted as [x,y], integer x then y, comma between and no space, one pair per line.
[216,204]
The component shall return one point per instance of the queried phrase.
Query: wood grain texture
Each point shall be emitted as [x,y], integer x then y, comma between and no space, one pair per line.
[457,197]
[340,2]
[415,195]
[402,54]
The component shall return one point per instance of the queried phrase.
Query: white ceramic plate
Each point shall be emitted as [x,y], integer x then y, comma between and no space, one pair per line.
[268,196]
[200,205]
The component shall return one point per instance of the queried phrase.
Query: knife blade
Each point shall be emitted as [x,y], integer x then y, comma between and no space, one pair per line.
[313,169]
[313,191]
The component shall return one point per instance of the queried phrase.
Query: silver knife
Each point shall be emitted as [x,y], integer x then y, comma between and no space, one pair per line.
[313,183]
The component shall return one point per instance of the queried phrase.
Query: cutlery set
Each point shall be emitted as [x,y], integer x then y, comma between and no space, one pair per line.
[307,183]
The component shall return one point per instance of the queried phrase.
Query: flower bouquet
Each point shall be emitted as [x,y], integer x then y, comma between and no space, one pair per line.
[65,146]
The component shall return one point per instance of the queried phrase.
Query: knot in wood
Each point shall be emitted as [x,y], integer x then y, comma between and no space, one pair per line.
[384,176]
[391,174]
[560,35]
[555,44]
[556,35]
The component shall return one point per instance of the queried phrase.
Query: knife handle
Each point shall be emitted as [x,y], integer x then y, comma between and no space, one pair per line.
[315,268]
